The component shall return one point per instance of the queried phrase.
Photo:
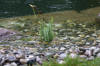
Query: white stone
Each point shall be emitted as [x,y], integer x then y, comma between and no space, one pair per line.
[73,55]
[7,64]
[48,53]
[60,61]
[13,64]
[88,53]
[87,43]
[70,50]
[82,56]
[92,48]
[56,48]
[62,48]
[39,60]
[31,42]
[98,55]
[90,58]
[23,61]
[63,55]
[94,34]
[98,40]
[96,51]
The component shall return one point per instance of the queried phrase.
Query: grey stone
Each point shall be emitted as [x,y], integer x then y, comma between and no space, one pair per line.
[11,58]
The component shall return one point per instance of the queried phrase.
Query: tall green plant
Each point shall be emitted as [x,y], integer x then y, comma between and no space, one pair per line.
[46,31]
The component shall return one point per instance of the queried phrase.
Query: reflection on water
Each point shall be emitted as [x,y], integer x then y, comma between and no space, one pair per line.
[20,7]
[56,5]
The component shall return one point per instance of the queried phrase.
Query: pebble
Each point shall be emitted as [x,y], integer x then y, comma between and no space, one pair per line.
[11,58]
[18,56]
[60,61]
[97,50]
[38,52]
[83,56]
[98,41]
[98,55]
[8,64]
[73,55]
[90,58]
[88,53]
[38,59]
[62,48]
[63,55]
[31,42]
[23,61]
[48,54]
[13,64]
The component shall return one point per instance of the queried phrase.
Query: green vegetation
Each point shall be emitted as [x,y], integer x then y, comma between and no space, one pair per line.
[46,31]
[74,62]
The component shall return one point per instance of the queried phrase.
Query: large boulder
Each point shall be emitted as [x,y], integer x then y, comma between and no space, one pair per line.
[6,33]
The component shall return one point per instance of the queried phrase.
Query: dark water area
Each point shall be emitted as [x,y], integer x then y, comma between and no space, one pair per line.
[9,8]
[60,5]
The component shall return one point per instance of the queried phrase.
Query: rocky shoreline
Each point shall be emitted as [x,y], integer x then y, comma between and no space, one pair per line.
[24,50]
[21,56]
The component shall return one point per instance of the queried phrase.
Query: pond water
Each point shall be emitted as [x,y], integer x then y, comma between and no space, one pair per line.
[58,5]
[20,7]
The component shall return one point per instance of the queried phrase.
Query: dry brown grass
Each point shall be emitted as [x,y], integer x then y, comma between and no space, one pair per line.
[85,16]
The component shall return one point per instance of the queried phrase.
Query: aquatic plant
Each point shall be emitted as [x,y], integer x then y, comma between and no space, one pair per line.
[33,8]
[46,30]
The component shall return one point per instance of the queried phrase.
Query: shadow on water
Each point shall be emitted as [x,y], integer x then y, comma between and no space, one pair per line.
[14,8]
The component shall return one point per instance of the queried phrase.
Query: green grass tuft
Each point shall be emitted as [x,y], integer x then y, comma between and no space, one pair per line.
[74,62]
[46,31]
